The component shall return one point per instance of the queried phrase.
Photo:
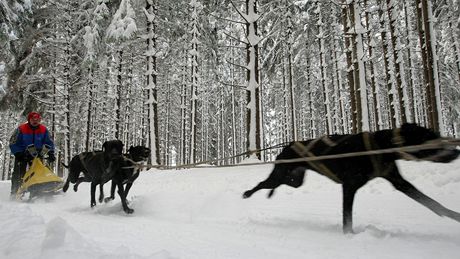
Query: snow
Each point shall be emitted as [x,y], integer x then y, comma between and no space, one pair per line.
[18,8]
[199,213]
[123,25]
[90,41]
[101,11]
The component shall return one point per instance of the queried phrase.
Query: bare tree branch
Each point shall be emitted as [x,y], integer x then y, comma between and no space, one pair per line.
[238,10]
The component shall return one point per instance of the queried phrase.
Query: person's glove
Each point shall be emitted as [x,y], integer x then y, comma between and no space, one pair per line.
[51,157]
[23,156]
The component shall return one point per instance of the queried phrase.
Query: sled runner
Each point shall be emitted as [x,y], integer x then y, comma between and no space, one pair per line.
[39,179]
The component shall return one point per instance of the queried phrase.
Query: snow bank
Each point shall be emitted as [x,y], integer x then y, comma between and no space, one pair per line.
[199,213]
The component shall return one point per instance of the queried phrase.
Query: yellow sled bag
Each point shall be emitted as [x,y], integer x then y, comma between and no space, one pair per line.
[39,179]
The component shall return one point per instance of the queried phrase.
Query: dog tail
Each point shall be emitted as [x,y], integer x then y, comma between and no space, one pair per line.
[66,166]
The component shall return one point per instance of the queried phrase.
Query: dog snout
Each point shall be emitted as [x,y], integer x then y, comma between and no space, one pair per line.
[445,155]
[115,155]
[146,153]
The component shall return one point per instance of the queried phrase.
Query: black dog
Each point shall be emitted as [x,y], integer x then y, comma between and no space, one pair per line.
[128,173]
[97,167]
[354,172]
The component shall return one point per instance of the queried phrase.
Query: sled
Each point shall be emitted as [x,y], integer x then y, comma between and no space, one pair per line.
[39,179]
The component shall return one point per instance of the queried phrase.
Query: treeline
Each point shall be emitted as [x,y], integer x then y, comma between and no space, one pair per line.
[198,80]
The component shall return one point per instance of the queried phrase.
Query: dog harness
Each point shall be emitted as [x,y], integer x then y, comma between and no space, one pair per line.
[369,144]
[304,151]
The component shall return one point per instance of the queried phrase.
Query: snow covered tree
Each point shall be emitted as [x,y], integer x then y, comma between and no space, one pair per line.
[194,59]
[122,27]
[253,99]
[152,101]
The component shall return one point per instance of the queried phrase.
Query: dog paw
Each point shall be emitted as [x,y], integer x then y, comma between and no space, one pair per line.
[75,188]
[108,199]
[270,194]
[128,210]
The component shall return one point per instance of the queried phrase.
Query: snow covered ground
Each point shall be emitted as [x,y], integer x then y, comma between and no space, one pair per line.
[199,213]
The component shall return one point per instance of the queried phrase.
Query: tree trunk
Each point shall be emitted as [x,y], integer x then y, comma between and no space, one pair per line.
[430,40]
[234,129]
[118,123]
[88,115]
[193,110]
[342,121]
[183,108]
[396,60]
[375,107]
[322,65]
[422,43]
[253,98]
[359,70]
[285,125]
[66,71]
[311,126]
[292,99]
[152,102]
[350,68]
[128,106]
[5,158]
[391,104]
[412,77]
[167,149]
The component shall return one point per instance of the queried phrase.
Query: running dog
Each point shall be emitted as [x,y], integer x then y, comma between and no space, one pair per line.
[128,173]
[97,167]
[353,172]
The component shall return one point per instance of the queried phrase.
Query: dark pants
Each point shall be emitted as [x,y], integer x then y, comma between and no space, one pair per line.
[20,167]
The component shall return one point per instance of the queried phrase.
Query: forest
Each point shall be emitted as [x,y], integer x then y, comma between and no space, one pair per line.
[205,80]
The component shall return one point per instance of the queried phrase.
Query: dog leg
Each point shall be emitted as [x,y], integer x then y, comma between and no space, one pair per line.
[101,193]
[267,184]
[93,194]
[407,188]
[347,209]
[78,182]
[130,183]
[70,179]
[66,185]
[127,188]
[122,194]
[112,192]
